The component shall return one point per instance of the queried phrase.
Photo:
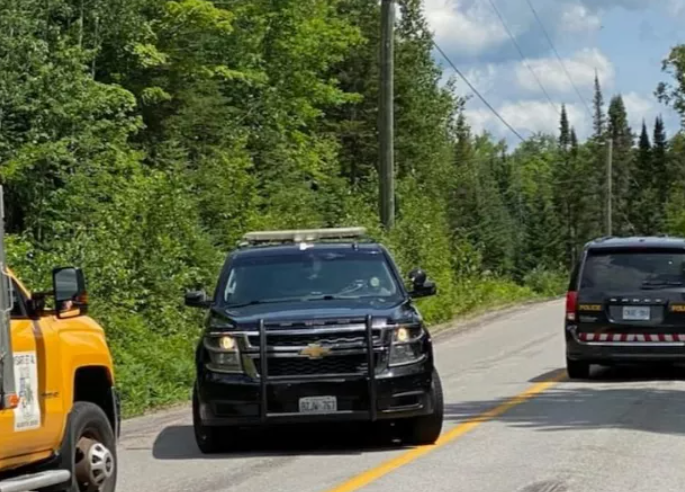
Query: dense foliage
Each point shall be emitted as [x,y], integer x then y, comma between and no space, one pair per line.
[140,139]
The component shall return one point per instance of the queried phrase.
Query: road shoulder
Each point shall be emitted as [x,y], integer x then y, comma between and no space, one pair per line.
[483,318]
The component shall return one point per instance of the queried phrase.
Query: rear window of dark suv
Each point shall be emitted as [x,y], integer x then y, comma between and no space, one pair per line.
[624,270]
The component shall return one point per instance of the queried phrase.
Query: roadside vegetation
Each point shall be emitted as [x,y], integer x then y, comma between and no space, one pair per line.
[139,139]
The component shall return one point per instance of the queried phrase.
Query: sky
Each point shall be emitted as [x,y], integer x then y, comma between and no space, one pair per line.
[623,41]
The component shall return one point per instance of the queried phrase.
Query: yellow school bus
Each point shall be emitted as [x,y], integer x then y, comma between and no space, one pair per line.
[59,412]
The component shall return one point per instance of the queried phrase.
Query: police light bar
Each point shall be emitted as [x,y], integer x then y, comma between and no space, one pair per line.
[298,236]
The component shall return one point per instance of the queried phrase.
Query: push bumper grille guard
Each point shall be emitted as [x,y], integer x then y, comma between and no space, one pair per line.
[370,362]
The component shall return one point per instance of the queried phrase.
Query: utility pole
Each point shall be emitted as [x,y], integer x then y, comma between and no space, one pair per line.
[609,212]
[7,381]
[386,121]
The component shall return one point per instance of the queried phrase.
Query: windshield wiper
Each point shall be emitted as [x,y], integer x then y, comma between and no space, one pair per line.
[660,284]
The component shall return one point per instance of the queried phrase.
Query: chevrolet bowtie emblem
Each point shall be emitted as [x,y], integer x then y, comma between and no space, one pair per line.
[315,351]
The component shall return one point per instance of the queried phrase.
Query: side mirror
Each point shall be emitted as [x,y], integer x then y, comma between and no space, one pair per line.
[421,285]
[197,299]
[417,277]
[69,289]
[426,290]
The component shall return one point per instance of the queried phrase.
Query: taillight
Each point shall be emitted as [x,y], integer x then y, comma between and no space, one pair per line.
[571,305]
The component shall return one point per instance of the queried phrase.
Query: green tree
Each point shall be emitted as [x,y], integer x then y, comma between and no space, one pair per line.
[544,238]
[619,131]
[660,165]
[564,130]
[595,167]
[642,201]
[673,94]
[563,175]
[140,139]
[599,121]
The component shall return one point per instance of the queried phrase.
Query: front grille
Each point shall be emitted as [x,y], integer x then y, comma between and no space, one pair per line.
[278,340]
[320,323]
[300,366]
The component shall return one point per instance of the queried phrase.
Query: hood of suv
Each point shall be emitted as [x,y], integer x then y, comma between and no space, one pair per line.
[317,312]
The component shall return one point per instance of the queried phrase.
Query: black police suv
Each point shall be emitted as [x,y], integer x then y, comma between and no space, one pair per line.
[314,326]
[626,303]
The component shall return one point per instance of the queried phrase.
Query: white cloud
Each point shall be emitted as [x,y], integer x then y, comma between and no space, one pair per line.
[578,18]
[471,27]
[472,35]
[485,78]
[640,108]
[526,117]
[581,67]
[468,29]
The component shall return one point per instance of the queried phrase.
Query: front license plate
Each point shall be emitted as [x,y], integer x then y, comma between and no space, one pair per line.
[319,404]
[632,313]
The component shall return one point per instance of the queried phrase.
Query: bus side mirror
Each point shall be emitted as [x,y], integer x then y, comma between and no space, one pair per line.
[69,289]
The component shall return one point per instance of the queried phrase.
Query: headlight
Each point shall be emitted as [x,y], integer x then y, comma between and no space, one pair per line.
[224,354]
[407,345]
[402,335]
[227,343]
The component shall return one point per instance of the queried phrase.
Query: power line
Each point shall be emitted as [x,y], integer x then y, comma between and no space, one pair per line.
[475,91]
[523,57]
[561,61]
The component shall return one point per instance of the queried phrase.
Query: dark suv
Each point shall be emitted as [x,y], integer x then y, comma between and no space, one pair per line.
[626,303]
[314,326]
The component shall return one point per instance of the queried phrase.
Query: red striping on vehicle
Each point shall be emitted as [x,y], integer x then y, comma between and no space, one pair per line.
[631,337]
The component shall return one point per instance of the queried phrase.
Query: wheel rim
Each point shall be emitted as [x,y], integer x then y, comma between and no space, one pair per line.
[94,464]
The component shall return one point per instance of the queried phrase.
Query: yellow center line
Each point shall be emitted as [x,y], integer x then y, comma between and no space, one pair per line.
[407,457]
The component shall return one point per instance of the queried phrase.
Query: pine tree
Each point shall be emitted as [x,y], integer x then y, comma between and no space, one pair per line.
[594,173]
[580,207]
[573,141]
[660,162]
[644,145]
[642,206]
[599,119]
[643,168]
[563,199]
[564,133]
[622,136]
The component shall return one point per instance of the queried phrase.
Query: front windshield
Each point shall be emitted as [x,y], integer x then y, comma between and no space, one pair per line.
[310,275]
[623,271]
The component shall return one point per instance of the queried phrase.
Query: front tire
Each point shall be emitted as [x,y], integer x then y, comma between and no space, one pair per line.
[577,369]
[425,430]
[210,440]
[93,461]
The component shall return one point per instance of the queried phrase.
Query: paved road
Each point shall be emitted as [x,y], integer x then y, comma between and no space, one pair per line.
[623,431]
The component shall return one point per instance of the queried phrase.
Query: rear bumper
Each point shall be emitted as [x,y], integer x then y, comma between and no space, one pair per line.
[236,400]
[634,351]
